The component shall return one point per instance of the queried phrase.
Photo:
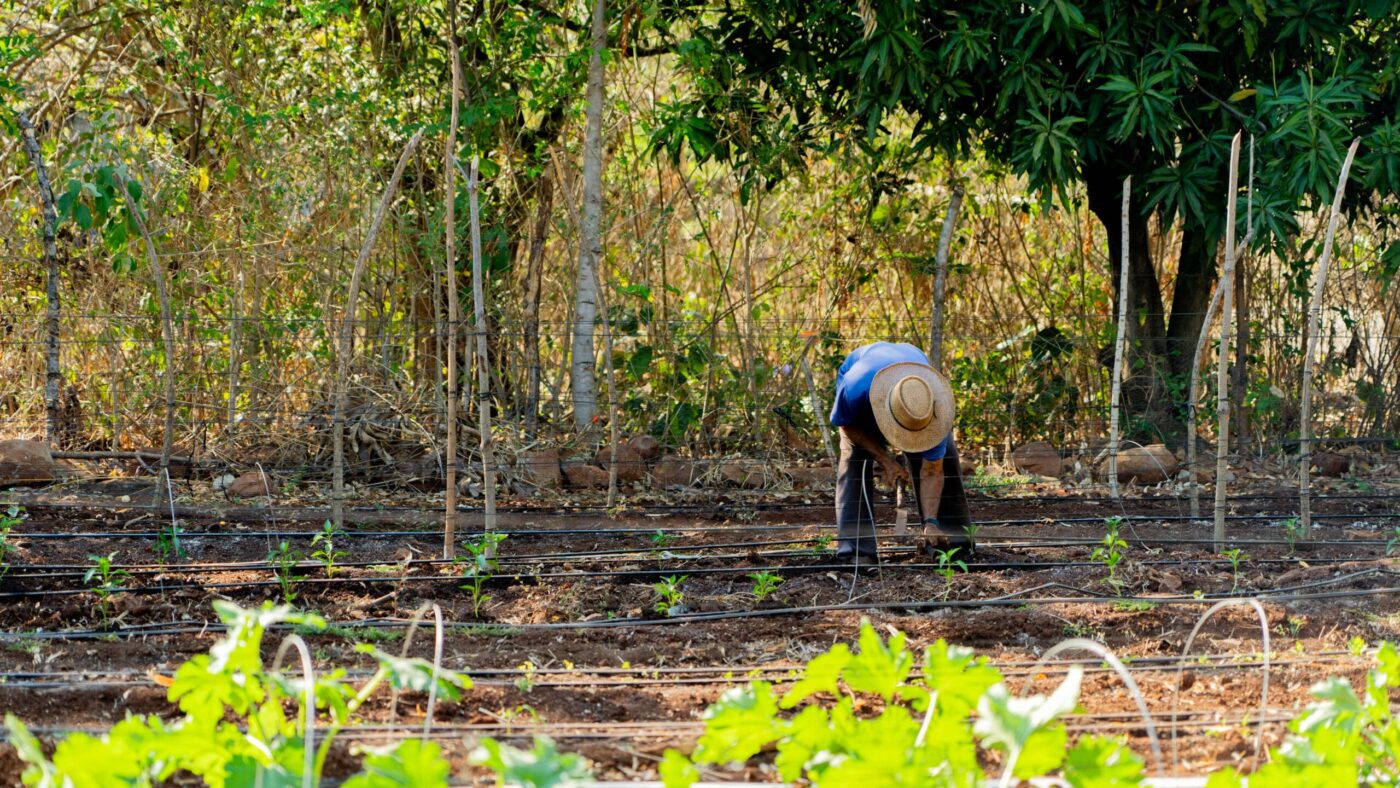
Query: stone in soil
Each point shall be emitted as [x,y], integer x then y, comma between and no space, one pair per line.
[1038,459]
[253,484]
[742,474]
[541,469]
[645,445]
[579,474]
[1328,463]
[25,462]
[630,466]
[673,471]
[811,478]
[1144,464]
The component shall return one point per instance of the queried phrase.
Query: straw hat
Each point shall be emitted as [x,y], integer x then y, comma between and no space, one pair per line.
[913,406]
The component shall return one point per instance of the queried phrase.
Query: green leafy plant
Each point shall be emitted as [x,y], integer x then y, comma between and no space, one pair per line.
[671,594]
[106,581]
[823,544]
[764,584]
[1111,551]
[948,567]
[478,566]
[542,766]
[1236,557]
[284,563]
[327,554]
[11,517]
[235,729]
[168,547]
[526,682]
[1393,541]
[661,540]
[1293,530]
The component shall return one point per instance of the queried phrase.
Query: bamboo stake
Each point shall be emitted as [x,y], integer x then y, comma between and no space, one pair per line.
[1193,389]
[483,365]
[940,277]
[53,374]
[167,333]
[1222,370]
[449,526]
[1120,345]
[1314,319]
[347,334]
[818,412]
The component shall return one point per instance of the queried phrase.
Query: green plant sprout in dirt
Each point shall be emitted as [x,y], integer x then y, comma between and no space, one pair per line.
[823,544]
[1292,531]
[764,584]
[236,730]
[948,567]
[11,517]
[1111,551]
[671,595]
[478,566]
[660,541]
[106,582]
[327,555]
[1393,541]
[1236,557]
[284,564]
[168,547]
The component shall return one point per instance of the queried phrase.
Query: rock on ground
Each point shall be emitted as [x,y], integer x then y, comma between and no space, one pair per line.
[541,469]
[579,474]
[673,471]
[811,478]
[1038,458]
[1144,464]
[253,484]
[742,474]
[25,462]
[630,466]
[1331,464]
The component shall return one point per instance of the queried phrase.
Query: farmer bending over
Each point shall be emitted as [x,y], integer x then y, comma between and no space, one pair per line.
[889,398]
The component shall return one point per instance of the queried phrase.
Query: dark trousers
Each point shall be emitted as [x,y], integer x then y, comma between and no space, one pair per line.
[855,496]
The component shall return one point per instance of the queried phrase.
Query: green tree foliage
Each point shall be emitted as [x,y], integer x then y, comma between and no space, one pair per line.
[1067,95]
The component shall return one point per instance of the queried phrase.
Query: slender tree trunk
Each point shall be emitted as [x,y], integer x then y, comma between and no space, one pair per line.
[235,359]
[449,176]
[53,374]
[1120,344]
[167,333]
[940,277]
[1192,402]
[1239,373]
[347,336]
[1222,377]
[534,267]
[582,378]
[1314,319]
[483,366]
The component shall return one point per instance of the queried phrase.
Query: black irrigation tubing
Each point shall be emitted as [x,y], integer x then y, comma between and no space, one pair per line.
[505,577]
[672,561]
[908,607]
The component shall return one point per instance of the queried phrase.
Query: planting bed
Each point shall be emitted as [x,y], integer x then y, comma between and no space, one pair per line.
[570,644]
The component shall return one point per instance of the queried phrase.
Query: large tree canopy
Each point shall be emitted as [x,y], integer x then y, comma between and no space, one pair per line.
[1070,94]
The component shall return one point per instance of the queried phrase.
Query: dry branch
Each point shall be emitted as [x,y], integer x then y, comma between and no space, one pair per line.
[940,277]
[1314,319]
[454,312]
[53,373]
[483,364]
[347,334]
[1222,379]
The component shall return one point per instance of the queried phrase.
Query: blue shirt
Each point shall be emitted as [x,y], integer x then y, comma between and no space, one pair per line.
[851,407]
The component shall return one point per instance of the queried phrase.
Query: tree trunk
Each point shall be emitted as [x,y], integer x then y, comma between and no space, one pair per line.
[582,378]
[53,374]
[534,266]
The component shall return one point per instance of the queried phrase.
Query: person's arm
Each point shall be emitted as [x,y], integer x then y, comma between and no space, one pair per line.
[890,468]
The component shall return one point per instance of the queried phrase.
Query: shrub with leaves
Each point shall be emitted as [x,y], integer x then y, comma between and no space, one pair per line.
[236,729]
[923,734]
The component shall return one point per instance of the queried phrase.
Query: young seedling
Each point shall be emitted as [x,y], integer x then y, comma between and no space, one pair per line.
[168,546]
[947,567]
[106,582]
[824,543]
[1111,551]
[1235,557]
[8,520]
[1393,541]
[669,589]
[284,561]
[1292,529]
[328,555]
[764,583]
[479,565]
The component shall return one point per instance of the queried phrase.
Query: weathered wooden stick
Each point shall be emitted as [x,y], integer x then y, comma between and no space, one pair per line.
[1314,321]
[940,277]
[454,313]
[347,335]
[613,436]
[167,333]
[1222,372]
[53,375]
[1120,345]
[818,411]
[1193,389]
[483,365]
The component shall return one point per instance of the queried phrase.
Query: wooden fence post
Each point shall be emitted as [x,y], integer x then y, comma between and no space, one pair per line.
[483,365]
[1222,376]
[1119,346]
